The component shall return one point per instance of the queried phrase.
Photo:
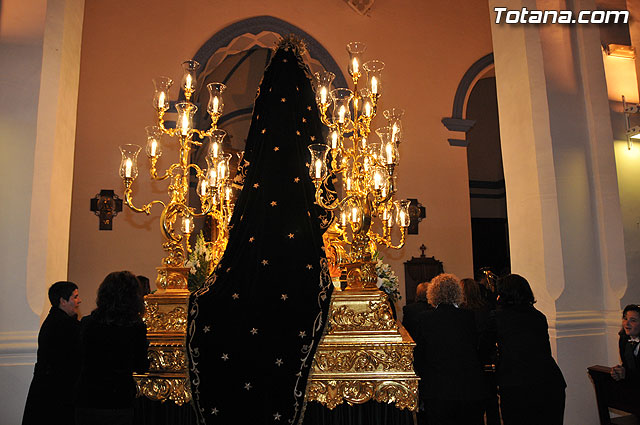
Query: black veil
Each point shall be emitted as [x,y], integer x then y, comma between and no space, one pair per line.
[253,329]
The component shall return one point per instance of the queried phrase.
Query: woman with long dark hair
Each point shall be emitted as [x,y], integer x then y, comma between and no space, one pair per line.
[531,385]
[113,344]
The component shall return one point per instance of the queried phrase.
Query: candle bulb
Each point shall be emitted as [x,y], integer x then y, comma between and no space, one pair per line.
[187,82]
[389,148]
[367,109]
[161,98]
[215,148]
[354,215]
[128,165]
[343,219]
[216,104]
[374,85]
[154,147]
[318,165]
[341,114]
[334,140]
[355,66]
[323,95]
[185,125]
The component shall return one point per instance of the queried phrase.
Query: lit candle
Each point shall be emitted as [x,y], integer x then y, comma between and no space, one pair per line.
[216,104]
[128,165]
[212,176]
[323,95]
[377,180]
[341,113]
[214,149]
[364,143]
[394,131]
[187,224]
[374,85]
[348,183]
[318,165]
[367,109]
[227,193]
[355,66]
[185,124]
[354,214]
[154,146]
[187,82]
[203,187]
[366,163]
[222,170]
[343,219]
[389,149]
[161,97]
[334,140]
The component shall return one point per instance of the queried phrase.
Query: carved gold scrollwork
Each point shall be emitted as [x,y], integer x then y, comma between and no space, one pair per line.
[172,321]
[403,394]
[378,316]
[168,360]
[331,393]
[398,358]
[160,389]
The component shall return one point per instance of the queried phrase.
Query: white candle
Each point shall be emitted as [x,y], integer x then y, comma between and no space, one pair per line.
[323,95]
[394,131]
[216,104]
[341,113]
[334,140]
[161,97]
[354,214]
[364,143]
[377,180]
[214,149]
[343,219]
[318,168]
[355,66]
[185,124]
[154,146]
[187,82]
[203,187]
[348,183]
[374,85]
[128,165]
[389,148]
[403,218]
[227,193]
[367,109]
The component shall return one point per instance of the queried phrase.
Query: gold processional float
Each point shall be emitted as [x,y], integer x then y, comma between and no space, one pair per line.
[365,353]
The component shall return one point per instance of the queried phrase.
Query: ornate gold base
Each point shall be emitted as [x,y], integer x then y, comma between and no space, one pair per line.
[166,320]
[365,354]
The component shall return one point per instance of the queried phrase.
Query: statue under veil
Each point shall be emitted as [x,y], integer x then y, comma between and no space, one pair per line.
[254,327]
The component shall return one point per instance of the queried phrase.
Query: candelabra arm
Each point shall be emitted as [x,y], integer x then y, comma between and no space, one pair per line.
[386,241]
[128,199]
[154,172]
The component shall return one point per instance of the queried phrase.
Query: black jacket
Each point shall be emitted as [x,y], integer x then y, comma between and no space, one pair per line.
[632,371]
[448,361]
[50,398]
[524,352]
[110,354]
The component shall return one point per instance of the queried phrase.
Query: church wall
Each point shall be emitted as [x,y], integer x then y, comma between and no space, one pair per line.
[39,46]
[125,45]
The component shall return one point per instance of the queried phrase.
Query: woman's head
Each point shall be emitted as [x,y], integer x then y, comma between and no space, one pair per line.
[514,289]
[472,296]
[120,299]
[631,320]
[445,289]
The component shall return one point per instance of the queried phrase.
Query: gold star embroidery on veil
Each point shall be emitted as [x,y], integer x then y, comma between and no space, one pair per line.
[276,149]
[296,180]
[290,235]
[265,262]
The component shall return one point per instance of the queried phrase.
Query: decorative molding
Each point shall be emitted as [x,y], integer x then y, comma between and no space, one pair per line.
[571,324]
[18,343]
[456,122]
[258,24]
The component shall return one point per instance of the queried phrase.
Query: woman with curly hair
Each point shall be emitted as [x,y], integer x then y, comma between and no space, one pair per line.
[531,385]
[113,344]
[448,363]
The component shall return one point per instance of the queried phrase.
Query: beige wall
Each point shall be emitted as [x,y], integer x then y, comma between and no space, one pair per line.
[426,49]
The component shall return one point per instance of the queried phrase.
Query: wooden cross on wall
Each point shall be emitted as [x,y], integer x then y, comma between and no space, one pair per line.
[106,205]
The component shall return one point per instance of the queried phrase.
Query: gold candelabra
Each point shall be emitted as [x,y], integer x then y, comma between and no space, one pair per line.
[366,168]
[213,186]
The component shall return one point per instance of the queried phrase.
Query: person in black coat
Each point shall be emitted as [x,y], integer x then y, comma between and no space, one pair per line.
[50,395]
[113,345]
[629,346]
[531,385]
[448,362]
[410,314]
